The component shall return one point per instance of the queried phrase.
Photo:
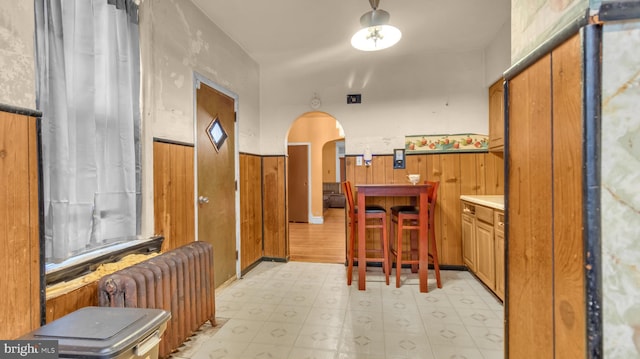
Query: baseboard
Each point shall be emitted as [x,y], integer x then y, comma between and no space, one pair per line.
[274,259]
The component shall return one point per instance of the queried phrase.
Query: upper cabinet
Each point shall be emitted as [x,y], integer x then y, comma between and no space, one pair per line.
[496,117]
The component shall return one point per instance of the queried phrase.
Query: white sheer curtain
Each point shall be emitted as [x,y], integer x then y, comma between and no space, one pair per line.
[88,91]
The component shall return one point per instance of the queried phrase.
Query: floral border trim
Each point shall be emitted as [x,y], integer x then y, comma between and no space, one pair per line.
[463,142]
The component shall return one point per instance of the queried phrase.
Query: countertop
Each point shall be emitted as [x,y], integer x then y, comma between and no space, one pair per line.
[493,201]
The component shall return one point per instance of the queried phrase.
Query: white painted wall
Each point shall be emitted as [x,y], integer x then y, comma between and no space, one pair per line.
[177,39]
[17,62]
[498,54]
[443,93]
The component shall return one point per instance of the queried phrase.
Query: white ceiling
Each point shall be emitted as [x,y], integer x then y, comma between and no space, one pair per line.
[302,31]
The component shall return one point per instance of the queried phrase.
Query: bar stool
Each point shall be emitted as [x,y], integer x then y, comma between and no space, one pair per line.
[377,213]
[407,218]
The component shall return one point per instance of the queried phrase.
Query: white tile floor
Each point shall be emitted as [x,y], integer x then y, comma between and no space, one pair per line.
[305,310]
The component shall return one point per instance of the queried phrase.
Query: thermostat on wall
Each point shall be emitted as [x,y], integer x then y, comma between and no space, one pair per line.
[355,98]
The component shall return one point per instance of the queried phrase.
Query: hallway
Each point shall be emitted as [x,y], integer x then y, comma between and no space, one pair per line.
[319,243]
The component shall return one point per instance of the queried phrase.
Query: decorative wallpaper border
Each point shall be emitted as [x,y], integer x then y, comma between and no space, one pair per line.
[463,142]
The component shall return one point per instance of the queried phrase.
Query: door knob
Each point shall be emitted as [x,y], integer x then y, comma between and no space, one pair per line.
[203,200]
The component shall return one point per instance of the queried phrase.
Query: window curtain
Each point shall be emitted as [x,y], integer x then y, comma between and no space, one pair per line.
[88,75]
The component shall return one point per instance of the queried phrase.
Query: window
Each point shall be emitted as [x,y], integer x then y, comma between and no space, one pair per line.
[88,76]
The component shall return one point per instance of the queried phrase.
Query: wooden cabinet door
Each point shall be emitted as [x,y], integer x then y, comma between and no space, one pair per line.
[469,241]
[499,261]
[496,117]
[485,258]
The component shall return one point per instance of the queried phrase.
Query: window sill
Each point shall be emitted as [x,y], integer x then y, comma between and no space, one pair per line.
[81,265]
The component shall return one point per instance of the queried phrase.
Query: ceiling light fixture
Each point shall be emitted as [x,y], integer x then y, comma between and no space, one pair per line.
[375,34]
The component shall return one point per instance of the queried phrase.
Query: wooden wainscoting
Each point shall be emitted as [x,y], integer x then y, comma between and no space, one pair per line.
[19,233]
[546,264]
[71,301]
[250,210]
[274,213]
[173,193]
[458,173]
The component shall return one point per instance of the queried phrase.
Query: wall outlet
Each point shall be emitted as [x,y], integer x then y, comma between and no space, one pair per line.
[359,161]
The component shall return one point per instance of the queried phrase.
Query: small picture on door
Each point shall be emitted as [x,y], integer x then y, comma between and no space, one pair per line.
[216,133]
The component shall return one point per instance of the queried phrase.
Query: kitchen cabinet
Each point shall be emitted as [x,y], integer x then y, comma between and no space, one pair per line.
[469,236]
[485,249]
[498,227]
[496,117]
[483,239]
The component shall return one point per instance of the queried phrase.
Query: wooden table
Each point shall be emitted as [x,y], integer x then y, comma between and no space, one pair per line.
[418,191]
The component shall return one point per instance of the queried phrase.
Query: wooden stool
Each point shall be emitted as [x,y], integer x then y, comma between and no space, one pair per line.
[378,213]
[407,218]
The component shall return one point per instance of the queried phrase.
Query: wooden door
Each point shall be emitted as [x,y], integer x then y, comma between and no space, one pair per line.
[216,188]
[298,178]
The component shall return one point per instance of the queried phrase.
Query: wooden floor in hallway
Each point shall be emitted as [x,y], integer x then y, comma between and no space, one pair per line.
[319,243]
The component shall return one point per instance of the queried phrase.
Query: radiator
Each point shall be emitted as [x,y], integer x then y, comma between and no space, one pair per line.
[179,281]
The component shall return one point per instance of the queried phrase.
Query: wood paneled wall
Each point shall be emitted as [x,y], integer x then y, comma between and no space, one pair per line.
[250,209]
[64,304]
[173,193]
[19,223]
[263,207]
[545,297]
[274,209]
[458,173]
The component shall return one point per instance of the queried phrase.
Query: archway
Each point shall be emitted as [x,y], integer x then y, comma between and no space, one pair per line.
[322,136]
[315,129]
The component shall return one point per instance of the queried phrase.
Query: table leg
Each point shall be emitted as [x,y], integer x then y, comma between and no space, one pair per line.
[424,242]
[362,253]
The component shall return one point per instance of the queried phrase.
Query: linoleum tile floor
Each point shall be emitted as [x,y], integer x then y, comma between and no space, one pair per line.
[303,310]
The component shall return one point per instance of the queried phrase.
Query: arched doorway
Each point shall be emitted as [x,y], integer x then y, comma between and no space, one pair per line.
[315,144]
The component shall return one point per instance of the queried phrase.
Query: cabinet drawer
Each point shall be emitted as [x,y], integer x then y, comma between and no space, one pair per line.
[484,214]
[468,208]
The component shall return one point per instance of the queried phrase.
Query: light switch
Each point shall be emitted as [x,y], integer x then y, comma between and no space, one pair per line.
[359,161]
